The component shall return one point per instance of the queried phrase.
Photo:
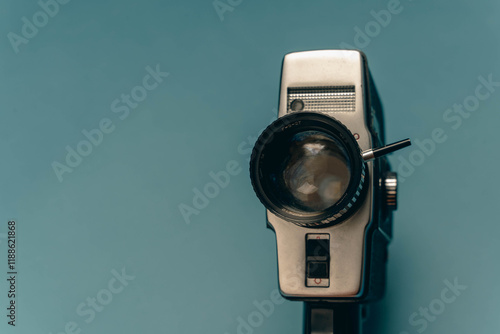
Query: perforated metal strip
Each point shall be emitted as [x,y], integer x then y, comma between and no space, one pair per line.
[322,99]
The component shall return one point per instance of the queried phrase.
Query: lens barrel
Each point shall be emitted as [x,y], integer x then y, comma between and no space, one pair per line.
[307,169]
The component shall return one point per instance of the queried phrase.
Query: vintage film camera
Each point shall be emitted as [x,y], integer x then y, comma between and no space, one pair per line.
[320,171]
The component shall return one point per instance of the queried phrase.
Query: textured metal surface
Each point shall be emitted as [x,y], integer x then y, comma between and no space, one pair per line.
[323,99]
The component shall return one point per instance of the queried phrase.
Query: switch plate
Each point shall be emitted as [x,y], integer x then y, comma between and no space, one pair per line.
[318,260]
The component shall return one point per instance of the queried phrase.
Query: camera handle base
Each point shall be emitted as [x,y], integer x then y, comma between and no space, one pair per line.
[332,318]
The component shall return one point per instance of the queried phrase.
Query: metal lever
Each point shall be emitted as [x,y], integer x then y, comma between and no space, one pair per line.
[381,151]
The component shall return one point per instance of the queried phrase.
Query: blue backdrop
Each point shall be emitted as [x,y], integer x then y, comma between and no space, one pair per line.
[115,114]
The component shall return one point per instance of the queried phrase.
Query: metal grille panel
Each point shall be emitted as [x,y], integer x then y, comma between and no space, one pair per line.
[323,99]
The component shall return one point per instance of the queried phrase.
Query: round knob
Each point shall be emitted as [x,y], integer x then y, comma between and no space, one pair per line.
[391,190]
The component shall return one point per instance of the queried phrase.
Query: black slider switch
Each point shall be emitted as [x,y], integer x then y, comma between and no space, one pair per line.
[317,270]
[317,249]
[317,260]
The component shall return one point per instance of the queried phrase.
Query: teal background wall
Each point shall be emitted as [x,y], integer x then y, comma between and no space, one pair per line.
[118,209]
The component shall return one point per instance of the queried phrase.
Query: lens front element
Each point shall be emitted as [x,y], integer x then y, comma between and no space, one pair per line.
[316,171]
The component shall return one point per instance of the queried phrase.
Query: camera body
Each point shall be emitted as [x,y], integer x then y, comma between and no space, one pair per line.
[343,258]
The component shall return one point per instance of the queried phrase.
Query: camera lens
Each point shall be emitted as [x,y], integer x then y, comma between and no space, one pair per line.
[316,171]
[307,168]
